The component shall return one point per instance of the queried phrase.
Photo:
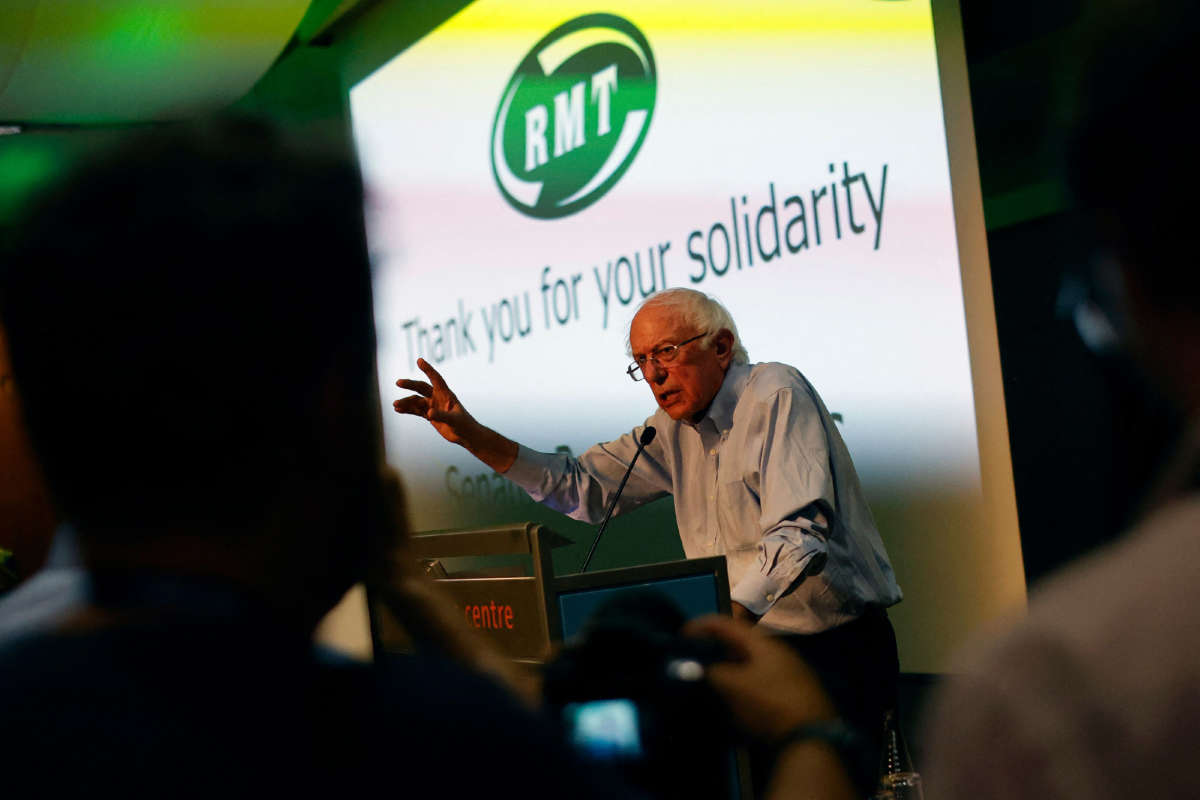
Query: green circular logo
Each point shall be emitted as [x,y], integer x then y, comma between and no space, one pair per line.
[573,116]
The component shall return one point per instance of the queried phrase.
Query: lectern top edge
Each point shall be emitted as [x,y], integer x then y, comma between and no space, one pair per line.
[497,540]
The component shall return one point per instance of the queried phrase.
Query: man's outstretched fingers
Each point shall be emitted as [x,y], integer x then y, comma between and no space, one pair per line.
[420,387]
[412,405]
[435,377]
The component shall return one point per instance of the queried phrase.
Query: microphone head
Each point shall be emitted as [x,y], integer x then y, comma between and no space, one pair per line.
[647,435]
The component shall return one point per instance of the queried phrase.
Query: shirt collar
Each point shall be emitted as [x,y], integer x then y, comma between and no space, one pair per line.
[720,412]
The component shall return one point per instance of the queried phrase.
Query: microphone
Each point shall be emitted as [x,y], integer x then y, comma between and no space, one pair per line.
[646,438]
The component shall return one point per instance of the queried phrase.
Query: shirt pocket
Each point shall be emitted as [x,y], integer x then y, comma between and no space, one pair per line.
[738,513]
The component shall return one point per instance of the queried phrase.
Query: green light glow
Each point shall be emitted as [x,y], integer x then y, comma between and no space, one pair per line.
[24,166]
[95,61]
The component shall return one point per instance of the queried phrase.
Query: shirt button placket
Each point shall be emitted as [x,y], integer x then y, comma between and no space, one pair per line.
[713,528]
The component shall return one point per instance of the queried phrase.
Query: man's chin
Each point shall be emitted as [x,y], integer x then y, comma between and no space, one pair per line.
[675,411]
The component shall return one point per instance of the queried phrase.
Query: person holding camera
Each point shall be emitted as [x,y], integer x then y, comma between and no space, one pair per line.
[159,303]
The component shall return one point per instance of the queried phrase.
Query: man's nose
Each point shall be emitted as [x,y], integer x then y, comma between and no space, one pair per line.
[655,373]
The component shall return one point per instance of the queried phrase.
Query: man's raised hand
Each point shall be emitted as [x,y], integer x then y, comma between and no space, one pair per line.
[435,402]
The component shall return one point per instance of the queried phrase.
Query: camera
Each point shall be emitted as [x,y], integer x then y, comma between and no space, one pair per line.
[629,692]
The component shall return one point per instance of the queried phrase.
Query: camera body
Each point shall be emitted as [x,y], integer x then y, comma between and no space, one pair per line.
[629,691]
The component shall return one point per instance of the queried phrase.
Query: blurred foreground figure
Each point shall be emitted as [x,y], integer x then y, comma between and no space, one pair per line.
[1097,693]
[190,328]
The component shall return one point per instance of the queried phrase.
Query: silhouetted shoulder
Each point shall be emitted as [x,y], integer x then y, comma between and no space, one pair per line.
[1096,668]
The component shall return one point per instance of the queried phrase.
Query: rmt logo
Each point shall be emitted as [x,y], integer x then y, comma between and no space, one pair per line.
[569,113]
[573,116]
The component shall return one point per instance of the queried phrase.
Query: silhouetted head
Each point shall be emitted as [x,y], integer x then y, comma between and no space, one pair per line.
[189,319]
[1134,167]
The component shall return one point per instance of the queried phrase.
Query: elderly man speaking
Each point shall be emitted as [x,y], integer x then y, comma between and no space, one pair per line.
[758,472]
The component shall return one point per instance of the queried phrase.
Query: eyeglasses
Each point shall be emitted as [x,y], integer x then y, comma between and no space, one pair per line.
[662,356]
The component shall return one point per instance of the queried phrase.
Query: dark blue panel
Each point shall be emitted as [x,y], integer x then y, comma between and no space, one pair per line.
[695,595]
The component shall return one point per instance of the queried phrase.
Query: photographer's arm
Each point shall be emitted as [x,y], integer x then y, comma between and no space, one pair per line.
[809,769]
[771,693]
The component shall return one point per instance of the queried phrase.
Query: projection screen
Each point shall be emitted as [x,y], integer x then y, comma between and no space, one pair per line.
[535,169]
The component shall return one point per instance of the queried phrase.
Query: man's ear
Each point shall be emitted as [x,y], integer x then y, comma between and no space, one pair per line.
[723,347]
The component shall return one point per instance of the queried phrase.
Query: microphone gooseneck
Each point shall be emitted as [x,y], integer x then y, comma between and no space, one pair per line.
[646,438]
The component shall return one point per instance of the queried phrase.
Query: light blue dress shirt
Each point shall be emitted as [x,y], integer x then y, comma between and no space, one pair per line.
[765,451]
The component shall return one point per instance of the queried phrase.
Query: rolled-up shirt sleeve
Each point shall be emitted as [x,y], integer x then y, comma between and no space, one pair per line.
[795,489]
[582,487]
[787,555]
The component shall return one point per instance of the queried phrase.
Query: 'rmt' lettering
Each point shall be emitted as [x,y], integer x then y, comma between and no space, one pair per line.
[569,118]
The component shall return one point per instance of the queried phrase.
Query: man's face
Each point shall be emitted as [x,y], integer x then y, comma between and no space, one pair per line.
[686,386]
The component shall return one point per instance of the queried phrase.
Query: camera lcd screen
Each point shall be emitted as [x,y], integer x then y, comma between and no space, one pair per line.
[605,730]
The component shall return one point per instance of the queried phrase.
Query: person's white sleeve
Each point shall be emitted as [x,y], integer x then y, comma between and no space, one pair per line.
[788,554]
[582,488]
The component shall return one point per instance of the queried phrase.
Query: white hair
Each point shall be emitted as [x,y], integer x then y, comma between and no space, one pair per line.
[699,309]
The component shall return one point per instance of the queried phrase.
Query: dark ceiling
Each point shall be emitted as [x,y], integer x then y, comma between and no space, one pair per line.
[1023,58]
